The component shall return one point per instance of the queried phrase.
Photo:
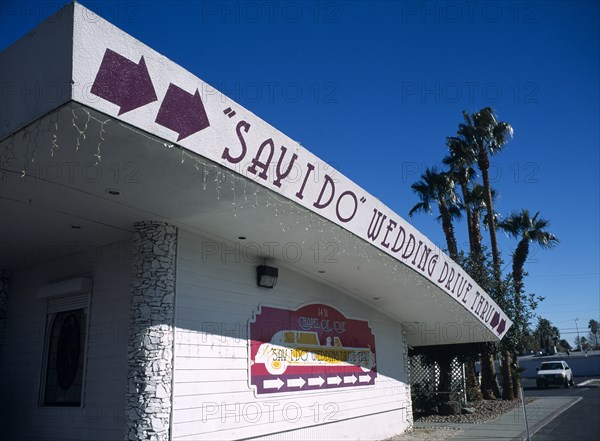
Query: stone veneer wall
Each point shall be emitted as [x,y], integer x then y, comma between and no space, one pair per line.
[151,336]
[4,281]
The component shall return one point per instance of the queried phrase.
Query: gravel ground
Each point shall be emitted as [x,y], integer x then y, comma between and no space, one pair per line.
[485,411]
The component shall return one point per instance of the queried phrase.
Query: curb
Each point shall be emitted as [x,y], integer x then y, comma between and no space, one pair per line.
[453,426]
[540,424]
[590,383]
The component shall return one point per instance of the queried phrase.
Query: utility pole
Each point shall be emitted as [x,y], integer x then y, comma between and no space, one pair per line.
[578,339]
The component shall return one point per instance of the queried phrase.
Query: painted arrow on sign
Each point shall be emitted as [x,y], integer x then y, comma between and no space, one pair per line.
[182,112]
[334,380]
[364,378]
[318,381]
[123,82]
[350,379]
[273,384]
[495,320]
[296,382]
[501,326]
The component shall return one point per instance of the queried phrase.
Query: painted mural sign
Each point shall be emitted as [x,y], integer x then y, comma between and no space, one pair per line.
[313,347]
[143,88]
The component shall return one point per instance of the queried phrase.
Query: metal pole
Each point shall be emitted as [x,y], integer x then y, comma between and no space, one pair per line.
[578,339]
[525,413]
[464,384]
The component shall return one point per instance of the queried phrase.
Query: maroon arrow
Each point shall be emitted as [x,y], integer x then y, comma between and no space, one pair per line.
[495,320]
[182,112]
[123,82]
[501,327]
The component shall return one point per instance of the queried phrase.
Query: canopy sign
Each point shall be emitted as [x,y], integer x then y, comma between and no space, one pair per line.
[115,74]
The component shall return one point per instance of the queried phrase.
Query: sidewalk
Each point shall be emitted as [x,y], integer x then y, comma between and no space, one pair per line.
[511,426]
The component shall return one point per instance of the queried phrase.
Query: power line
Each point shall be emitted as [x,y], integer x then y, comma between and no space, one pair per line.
[569,274]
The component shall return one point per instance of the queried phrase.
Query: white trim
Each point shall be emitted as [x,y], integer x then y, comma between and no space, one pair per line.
[69,287]
[62,304]
[79,301]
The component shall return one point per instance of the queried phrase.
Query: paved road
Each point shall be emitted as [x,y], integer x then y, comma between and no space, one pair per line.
[581,422]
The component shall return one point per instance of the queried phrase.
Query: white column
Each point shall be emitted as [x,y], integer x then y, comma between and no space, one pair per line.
[150,351]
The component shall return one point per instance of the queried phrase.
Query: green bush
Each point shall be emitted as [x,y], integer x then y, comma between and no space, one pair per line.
[424,399]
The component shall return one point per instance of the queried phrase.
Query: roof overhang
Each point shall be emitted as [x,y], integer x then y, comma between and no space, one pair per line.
[112,115]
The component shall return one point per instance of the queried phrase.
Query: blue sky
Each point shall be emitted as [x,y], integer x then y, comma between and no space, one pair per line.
[375,88]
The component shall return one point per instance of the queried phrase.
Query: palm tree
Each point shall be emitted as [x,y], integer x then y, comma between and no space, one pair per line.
[583,343]
[546,333]
[594,328]
[437,187]
[489,383]
[520,225]
[462,156]
[527,229]
[476,204]
[486,136]
[460,160]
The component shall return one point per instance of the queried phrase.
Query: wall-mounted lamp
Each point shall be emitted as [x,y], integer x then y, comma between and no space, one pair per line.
[266,276]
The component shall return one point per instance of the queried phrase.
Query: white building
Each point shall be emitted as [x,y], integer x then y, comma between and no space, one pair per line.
[135,210]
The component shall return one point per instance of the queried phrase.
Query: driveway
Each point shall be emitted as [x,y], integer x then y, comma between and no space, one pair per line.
[581,422]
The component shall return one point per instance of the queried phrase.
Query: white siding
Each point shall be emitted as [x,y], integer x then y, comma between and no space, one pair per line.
[102,416]
[216,297]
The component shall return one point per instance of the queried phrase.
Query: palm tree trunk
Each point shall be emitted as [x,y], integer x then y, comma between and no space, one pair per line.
[516,377]
[489,385]
[507,383]
[519,258]
[448,231]
[477,239]
[465,193]
[445,365]
[484,166]
[473,390]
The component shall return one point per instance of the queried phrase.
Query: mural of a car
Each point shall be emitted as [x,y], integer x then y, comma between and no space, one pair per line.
[303,348]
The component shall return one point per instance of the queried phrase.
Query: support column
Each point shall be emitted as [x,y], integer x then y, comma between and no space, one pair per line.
[4,282]
[151,333]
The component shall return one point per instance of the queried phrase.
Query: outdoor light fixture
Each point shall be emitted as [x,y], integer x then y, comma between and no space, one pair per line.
[266,276]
